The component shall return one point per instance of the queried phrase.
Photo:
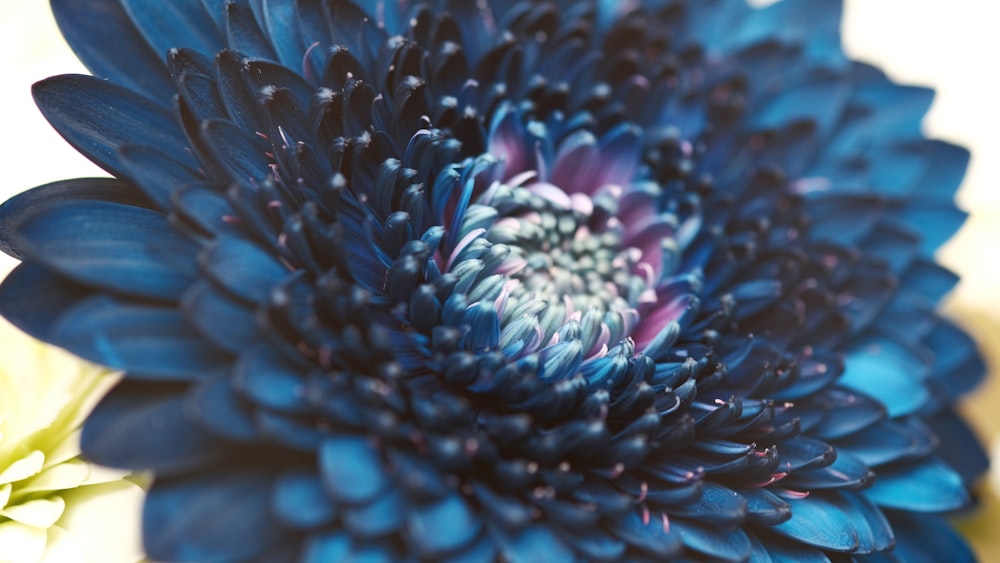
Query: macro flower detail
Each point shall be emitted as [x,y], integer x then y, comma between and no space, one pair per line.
[51,500]
[518,281]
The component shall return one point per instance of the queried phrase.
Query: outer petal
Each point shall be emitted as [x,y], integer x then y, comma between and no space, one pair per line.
[143,426]
[128,60]
[212,516]
[97,117]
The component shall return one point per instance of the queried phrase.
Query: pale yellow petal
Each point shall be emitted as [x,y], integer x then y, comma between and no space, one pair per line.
[100,474]
[67,475]
[40,513]
[23,468]
[65,449]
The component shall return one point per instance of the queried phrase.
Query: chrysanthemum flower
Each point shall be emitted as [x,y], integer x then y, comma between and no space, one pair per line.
[523,281]
[56,507]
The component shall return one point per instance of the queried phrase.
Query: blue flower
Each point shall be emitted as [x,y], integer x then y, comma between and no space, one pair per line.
[523,281]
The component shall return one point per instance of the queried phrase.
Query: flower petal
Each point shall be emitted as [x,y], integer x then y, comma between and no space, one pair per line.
[97,117]
[149,341]
[443,526]
[211,516]
[130,250]
[144,426]
[129,61]
[351,469]
[926,486]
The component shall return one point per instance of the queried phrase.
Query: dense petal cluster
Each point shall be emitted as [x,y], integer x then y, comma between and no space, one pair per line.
[55,507]
[499,280]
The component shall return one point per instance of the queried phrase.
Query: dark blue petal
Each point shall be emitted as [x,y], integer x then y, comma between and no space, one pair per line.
[290,430]
[206,207]
[813,25]
[299,501]
[285,551]
[958,366]
[820,102]
[794,552]
[758,553]
[168,25]
[236,154]
[34,300]
[200,97]
[154,341]
[946,165]
[143,426]
[765,507]
[18,209]
[718,506]
[124,249]
[874,531]
[262,75]
[844,218]
[244,35]
[280,25]
[937,221]
[214,405]
[958,445]
[382,516]
[443,526]
[534,544]
[128,60]
[845,471]
[239,99]
[805,453]
[484,326]
[823,521]
[929,279]
[893,169]
[650,533]
[243,268]
[352,469]
[716,543]
[482,551]
[263,376]
[156,173]
[923,538]
[889,441]
[324,547]
[502,509]
[891,374]
[186,61]
[894,243]
[895,111]
[97,118]
[211,516]
[846,413]
[597,545]
[226,322]
[331,546]
[928,485]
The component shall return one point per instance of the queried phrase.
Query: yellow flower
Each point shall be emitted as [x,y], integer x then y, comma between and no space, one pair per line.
[54,506]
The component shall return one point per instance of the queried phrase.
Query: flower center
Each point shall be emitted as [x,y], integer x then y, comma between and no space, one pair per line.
[569,264]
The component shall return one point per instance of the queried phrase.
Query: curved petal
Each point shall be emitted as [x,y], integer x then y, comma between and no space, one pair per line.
[98,117]
[128,60]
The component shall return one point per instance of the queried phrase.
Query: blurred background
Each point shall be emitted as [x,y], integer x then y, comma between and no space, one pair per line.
[951,46]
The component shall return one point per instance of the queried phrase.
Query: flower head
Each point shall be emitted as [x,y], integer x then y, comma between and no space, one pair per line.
[448,280]
[49,496]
